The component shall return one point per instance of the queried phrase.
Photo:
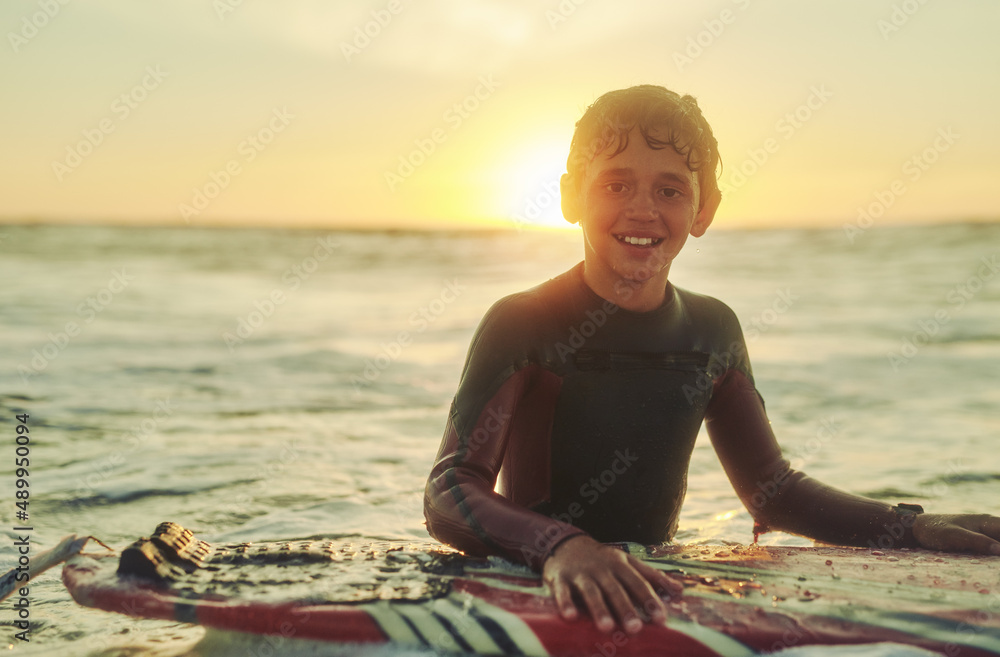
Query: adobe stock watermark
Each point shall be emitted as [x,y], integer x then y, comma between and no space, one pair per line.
[985,617]
[454,117]
[769,489]
[88,310]
[895,532]
[762,323]
[270,645]
[721,362]
[364,34]
[913,169]
[706,38]
[264,475]
[125,638]
[121,107]
[225,7]
[590,491]
[898,17]
[533,207]
[420,319]
[562,12]
[801,455]
[941,488]
[594,320]
[136,437]
[614,643]
[408,508]
[292,278]
[786,127]
[33,24]
[789,639]
[956,298]
[586,329]
[618,639]
[718,364]
[456,620]
[249,148]
[496,419]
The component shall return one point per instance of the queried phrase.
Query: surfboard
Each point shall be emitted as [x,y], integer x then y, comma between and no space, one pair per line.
[739,600]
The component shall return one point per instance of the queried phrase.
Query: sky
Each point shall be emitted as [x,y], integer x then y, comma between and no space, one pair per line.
[459,113]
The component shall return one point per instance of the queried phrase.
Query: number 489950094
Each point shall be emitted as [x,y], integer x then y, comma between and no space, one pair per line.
[21,462]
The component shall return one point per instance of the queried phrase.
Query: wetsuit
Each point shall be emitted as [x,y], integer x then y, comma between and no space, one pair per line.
[575,415]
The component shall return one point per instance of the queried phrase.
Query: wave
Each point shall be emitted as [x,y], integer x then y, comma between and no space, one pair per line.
[964,478]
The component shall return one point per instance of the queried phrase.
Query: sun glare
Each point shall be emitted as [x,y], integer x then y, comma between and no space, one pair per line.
[529,180]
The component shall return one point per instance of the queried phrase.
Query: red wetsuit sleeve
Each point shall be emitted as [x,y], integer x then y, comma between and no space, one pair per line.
[784,499]
[460,504]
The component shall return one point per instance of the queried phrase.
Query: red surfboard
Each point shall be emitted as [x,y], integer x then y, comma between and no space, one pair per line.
[738,600]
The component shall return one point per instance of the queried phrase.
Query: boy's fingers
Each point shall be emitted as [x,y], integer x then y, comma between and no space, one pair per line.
[643,593]
[616,595]
[564,600]
[593,597]
[962,533]
[669,585]
[964,540]
[607,584]
[988,525]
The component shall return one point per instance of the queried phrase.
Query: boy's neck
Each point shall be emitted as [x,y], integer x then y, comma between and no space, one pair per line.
[634,295]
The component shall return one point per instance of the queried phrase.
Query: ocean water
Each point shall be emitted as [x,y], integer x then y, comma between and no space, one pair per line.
[268,384]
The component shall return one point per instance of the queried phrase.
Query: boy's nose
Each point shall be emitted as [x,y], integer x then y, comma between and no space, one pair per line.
[642,205]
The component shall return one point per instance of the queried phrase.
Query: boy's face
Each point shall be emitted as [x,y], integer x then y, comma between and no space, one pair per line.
[636,210]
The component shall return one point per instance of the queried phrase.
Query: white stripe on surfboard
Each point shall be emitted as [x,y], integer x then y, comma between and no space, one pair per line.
[437,635]
[721,643]
[419,625]
[397,629]
[964,634]
[457,610]
[518,631]
[431,623]
[528,641]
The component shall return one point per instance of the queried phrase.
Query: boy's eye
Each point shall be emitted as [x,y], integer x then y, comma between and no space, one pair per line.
[669,192]
[615,187]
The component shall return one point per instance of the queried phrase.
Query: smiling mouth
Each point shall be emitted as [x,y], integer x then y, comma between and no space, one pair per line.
[638,241]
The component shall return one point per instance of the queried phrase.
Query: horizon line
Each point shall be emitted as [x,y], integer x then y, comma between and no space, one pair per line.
[485,225]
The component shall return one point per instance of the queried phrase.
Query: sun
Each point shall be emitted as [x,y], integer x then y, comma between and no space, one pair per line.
[529,177]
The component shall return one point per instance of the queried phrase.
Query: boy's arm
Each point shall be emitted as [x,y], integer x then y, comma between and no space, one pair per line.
[460,504]
[781,498]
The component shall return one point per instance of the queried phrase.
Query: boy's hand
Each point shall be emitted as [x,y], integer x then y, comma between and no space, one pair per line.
[958,533]
[607,581]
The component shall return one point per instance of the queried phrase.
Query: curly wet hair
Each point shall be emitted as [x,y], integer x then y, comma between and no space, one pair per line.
[663,118]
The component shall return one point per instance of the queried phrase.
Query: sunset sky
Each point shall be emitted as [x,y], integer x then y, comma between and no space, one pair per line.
[420,113]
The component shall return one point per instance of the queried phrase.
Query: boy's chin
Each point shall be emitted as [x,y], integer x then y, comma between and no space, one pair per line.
[640,276]
[643,270]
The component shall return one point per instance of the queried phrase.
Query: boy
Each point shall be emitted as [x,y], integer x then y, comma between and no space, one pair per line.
[581,398]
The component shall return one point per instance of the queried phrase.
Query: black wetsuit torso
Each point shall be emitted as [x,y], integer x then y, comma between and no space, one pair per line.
[582,416]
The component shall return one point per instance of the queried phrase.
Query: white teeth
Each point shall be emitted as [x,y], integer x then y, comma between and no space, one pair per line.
[638,241]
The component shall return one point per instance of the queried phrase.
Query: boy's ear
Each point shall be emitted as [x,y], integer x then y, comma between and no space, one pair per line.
[569,198]
[705,215]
